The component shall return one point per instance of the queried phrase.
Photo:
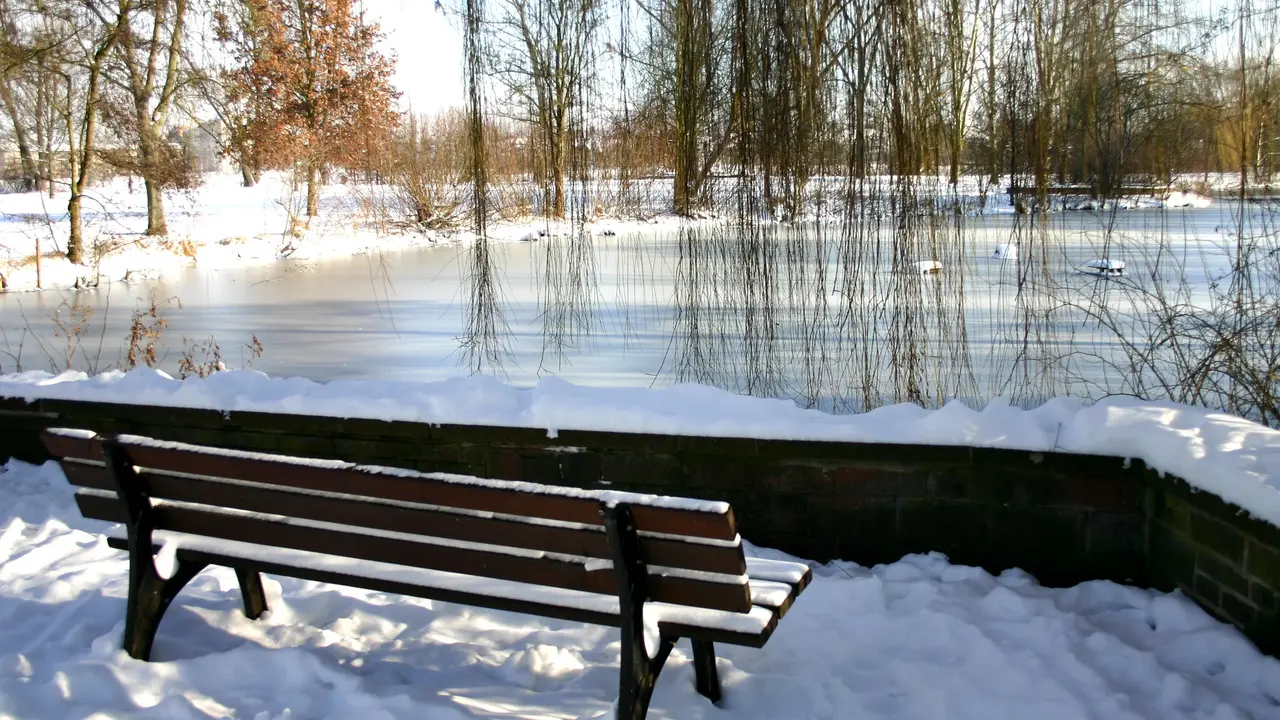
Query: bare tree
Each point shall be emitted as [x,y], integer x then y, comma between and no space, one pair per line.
[96,29]
[149,71]
[543,52]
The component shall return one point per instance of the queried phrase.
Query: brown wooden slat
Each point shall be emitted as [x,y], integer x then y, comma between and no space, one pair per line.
[417,521]
[421,490]
[99,508]
[89,476]
[61,446]
[431,492]
[796,588]
[727,637]
[534,570]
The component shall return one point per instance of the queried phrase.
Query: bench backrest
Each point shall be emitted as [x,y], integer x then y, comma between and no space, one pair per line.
[523,532]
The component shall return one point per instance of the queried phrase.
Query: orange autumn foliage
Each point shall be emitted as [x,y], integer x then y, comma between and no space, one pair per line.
[309,85]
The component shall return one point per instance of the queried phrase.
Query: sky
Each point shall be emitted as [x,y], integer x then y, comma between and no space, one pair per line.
[426,39]
[428,48]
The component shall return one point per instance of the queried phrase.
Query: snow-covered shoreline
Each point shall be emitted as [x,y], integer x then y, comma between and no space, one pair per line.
[1233,458]
[221,225]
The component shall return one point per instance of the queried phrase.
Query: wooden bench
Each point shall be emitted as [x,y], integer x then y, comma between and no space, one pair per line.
[593,556]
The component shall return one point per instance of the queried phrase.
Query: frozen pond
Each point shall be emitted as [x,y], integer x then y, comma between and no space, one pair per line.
[824,315]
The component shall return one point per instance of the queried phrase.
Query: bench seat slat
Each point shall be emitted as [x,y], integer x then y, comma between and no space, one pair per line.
[65,444]
[537,570]
[653,514]
[747,629]
[779,570]
[418,520]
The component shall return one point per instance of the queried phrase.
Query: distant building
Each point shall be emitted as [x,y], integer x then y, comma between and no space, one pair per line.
[202,145]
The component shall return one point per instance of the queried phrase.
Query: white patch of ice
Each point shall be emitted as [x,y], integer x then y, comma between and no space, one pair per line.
[769,594]
[776,570]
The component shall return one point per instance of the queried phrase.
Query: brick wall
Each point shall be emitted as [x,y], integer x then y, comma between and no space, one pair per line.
[1226,560]
[1064,518]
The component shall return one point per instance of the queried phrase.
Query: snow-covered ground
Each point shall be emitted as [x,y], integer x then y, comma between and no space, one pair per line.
[223,225]
[920,638]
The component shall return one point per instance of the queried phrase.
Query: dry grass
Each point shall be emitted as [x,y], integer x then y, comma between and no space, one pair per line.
[184,247]
[30,260]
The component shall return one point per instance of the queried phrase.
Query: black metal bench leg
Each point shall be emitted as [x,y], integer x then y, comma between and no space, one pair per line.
[707,679]
[255,600]
[638,673]
[149,594]
[149,597]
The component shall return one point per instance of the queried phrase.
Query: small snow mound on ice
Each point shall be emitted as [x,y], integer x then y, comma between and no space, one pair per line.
[1007,251]
[1180,199]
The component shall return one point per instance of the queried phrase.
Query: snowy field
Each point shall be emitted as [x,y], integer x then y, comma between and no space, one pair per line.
[920,639]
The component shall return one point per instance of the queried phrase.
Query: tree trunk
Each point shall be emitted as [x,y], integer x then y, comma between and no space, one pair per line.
[46,174]
[313,189]
[558,197]
[149,153]
[247,177]
[1040,164]
[685,110]
[29,171]
[554,129]
[680,203]
[75,243]
[155,209]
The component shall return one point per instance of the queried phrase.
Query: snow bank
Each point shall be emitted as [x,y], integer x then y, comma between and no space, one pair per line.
[920,638]
[1233,458]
